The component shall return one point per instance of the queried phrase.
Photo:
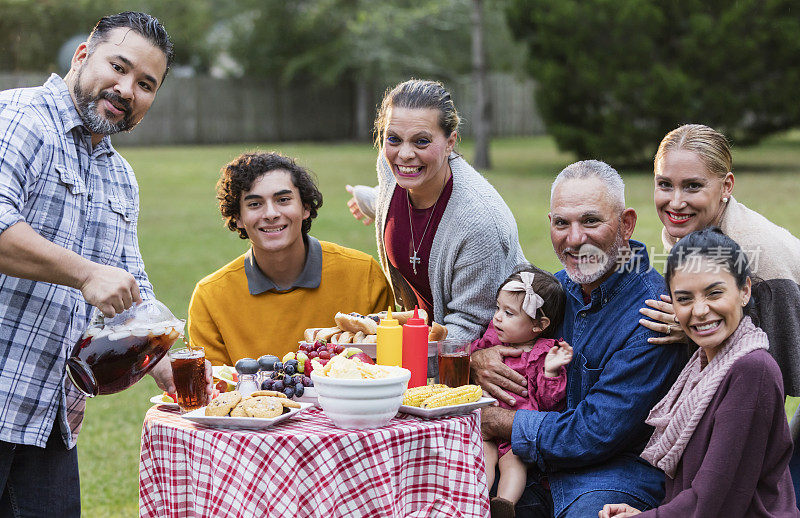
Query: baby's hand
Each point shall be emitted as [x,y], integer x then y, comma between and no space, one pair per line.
[558,356]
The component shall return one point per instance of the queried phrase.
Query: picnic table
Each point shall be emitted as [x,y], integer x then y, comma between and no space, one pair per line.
[305,466]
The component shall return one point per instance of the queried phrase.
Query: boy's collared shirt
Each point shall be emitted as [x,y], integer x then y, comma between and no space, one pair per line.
[310,277]
[237,312]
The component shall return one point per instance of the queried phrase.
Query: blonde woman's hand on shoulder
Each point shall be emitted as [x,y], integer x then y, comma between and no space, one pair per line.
[661,319]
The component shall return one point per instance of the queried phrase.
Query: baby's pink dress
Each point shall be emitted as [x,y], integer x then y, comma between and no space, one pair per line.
[544,393]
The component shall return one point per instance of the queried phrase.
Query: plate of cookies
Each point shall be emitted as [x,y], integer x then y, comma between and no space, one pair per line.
[259,410]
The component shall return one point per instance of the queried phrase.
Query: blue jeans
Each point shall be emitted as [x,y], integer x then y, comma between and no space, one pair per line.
[39,481]
[589,504]
[794,469]
[536,501]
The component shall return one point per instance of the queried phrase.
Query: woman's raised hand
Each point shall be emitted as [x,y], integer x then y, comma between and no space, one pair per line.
[617,511]
[662,320]
[354,209]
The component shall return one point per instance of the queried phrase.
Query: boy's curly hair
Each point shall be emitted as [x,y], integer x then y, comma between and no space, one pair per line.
[238,176]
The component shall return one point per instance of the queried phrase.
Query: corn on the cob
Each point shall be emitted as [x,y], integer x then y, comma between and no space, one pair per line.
[454,396]
[415,396]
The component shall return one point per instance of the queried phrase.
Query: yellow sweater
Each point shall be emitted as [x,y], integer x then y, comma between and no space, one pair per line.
[232,324]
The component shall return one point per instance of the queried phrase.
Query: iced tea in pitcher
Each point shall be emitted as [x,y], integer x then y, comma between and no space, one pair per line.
[114,353]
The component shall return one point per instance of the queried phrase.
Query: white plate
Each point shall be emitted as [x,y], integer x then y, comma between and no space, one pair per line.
[240,423]
[309,396]
[463,408]
[215,371]
[156,400]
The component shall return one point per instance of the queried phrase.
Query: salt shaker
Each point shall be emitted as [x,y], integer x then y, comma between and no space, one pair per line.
[247,368]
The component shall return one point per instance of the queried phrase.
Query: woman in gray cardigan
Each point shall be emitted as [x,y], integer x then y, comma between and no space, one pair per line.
[446,239]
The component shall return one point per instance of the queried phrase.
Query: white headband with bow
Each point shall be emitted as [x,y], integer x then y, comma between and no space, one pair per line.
[532,301]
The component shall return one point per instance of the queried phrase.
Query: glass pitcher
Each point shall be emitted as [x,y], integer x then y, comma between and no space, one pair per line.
[114,353]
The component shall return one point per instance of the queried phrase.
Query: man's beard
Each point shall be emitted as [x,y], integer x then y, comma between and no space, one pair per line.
[88,110]
[603,261]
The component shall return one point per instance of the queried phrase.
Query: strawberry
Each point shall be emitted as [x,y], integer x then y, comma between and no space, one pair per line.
[364,357]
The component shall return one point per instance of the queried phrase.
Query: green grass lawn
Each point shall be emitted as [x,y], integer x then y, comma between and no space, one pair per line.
[182,239]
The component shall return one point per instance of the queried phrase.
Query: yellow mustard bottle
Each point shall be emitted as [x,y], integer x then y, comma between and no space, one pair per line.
[390,341]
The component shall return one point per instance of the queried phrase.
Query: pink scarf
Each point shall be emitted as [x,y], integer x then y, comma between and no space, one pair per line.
[676,416]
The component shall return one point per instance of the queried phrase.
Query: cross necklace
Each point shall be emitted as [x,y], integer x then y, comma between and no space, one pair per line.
[414,259]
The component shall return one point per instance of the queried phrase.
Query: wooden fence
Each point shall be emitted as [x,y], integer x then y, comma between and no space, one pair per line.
[204,110]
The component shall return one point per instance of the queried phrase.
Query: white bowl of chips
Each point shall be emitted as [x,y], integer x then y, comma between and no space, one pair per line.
[367,401]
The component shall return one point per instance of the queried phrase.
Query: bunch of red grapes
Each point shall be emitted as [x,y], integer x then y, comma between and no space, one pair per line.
[321,350]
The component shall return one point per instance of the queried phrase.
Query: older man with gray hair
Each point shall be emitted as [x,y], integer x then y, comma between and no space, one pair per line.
[589,454]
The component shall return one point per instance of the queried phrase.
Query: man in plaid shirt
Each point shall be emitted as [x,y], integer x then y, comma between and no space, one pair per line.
[69,204]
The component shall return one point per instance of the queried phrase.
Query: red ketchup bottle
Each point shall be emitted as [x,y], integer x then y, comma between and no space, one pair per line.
[415,350]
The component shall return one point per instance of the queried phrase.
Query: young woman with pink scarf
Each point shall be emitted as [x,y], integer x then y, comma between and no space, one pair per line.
[721,434]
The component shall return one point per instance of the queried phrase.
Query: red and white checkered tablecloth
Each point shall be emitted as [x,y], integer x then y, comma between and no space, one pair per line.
[306,467]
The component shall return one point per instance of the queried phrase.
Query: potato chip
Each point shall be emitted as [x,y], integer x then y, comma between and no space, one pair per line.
[348,368]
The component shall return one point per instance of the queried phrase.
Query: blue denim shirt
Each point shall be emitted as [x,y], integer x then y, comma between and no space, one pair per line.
[613,381]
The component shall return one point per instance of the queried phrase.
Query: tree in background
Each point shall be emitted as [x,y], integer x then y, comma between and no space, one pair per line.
[32,31]
[614,77]
[360,45]
[482,120]
[368,45]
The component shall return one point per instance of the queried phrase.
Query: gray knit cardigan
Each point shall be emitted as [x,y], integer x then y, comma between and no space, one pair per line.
[476,246]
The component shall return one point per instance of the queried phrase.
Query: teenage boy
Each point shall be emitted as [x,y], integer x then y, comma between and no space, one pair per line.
[262,301]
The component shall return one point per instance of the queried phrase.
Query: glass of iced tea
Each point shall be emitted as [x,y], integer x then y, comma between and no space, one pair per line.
[189,374]
[453,357]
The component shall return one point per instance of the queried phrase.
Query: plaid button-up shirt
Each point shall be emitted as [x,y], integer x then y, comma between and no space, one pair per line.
[83,199]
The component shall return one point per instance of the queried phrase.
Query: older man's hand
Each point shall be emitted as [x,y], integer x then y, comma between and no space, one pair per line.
[496,423]
[489,371]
